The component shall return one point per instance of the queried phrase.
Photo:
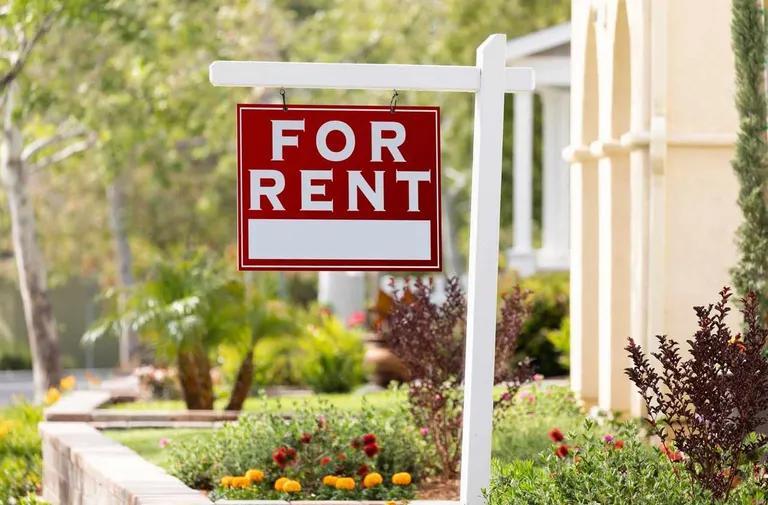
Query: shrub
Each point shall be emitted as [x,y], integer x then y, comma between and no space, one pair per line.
[712,402]
[332,359]
[20,451]
[266,443]
[430,338]
[561,340]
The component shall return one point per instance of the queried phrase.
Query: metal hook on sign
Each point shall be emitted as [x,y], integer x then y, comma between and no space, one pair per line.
[393,102]
[282,95]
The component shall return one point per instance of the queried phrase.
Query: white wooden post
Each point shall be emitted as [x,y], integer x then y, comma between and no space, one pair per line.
[490,80]
[483,272]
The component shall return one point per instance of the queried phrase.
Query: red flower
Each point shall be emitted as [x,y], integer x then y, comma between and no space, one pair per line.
[562,451]
[291,454]
[325,460]
[369,439]
[356,319]
[279,457]
[342,456]
[362,471]
[619,444]
[356,443]
[306,438]
[371,450]
[556,435]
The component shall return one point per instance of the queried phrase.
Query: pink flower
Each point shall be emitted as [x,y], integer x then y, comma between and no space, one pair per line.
[356,319]
[438,398]
[164,442]
[425,431]
[538,377]
[505,396]
[532,398]
[608,438]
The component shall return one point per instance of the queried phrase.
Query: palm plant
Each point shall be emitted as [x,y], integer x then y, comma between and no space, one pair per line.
[263,318]
[184,310]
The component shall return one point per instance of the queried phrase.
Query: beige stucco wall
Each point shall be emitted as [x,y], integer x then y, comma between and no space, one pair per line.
[665,79]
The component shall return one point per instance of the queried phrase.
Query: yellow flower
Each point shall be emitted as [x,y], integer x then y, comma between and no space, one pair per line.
[241,482]
[372,480]
[226,481]
[254,475]
[68,383]
[345,483]
[330,480]
[291,486]
[401,479]
[279,483]
[52,396]
[390,503]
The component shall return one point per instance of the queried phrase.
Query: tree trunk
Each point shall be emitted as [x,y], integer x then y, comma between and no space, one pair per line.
[129,342]
[243,382]
[195,378]
[33,281]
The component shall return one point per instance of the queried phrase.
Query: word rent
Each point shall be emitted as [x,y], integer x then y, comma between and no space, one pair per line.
[269,184]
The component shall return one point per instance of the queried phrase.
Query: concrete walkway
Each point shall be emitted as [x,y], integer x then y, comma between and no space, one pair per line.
[19,383]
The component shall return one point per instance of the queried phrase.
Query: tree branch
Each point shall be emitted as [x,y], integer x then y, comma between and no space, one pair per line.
[26,50]
[60,136]
[65,153]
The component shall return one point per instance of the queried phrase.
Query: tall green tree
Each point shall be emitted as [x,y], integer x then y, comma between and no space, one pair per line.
[750,162]
[24,24]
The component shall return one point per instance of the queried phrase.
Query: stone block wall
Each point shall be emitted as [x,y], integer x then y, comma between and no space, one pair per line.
[83,467]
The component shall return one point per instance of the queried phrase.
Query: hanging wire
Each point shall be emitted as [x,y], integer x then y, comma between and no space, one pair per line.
[393,102]
[282,95]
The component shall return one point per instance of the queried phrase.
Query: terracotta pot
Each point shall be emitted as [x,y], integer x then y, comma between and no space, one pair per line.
[384,365]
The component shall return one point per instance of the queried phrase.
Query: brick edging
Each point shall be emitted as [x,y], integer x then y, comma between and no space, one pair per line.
[82,466]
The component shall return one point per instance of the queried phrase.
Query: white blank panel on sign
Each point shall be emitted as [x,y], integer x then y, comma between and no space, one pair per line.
[338,239]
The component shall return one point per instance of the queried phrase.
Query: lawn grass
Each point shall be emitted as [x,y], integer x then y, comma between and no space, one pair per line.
[346,402]
[146,441]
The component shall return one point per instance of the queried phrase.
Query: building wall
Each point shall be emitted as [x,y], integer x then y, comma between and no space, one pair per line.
[74,309]
[665,192]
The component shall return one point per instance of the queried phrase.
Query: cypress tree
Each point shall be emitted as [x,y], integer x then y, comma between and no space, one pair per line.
[750,162]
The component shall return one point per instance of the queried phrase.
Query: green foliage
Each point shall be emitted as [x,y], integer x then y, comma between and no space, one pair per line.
[332,356]
[748,35]
[561,340]
[599,472]
[249,444]
[20,451]
[549,303]
[522,432]
[14,356]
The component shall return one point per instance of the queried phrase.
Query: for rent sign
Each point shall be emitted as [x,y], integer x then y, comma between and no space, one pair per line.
[338,188]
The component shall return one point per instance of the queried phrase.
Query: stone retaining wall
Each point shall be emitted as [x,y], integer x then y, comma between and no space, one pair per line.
[83,467]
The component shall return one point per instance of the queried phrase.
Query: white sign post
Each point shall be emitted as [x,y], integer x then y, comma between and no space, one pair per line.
[489,79]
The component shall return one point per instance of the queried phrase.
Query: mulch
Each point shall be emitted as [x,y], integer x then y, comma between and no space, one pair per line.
[436,488]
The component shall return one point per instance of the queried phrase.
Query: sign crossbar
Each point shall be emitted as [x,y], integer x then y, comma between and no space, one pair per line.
[489,79]
[443,78]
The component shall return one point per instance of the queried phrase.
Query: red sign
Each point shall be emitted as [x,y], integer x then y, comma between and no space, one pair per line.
[324,187]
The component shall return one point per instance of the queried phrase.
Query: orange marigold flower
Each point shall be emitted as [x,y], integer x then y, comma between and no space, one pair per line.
[52,396]
[241,482]
[68,383]
[226,481]
[372,480]
[292,486]
[345,483]
[279,483]
[401,479]
[254,475]
[330,480]
[390,503]
[556,435]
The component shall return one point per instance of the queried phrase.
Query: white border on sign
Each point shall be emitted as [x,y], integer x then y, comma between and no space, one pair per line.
[241,225]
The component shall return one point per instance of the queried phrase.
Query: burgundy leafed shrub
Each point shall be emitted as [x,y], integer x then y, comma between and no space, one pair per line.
[712,402]
[430,340]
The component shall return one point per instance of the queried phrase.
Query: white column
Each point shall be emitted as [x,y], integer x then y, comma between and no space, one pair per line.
[344,292]
[555,182]
[521,256]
